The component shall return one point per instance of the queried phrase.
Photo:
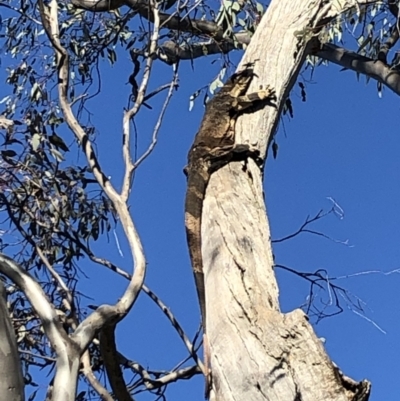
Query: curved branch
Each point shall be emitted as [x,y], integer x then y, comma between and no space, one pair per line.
[166,378]
[92,379]
[372,68]
[109,352]
[67,362]
[106,313]
[44,309]
[167,312]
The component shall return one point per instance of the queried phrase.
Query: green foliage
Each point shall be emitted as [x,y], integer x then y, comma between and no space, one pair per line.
[239,14]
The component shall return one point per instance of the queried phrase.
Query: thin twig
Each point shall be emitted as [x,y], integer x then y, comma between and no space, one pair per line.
[129,114]
[157,127]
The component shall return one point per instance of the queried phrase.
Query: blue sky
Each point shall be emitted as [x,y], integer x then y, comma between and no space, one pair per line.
[343,143]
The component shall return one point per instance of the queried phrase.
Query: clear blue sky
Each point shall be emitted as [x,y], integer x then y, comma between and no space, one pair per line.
[342,143]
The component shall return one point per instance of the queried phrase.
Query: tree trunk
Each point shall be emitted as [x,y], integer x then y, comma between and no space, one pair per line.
[258,353]
[11,379]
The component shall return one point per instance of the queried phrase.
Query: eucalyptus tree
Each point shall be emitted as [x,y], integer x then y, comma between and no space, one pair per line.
[58,208]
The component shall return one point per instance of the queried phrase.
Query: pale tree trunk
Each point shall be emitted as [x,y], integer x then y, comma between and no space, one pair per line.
[258,353]
[11,379]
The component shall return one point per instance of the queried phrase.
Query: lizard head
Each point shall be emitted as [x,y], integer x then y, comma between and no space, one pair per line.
[238,83]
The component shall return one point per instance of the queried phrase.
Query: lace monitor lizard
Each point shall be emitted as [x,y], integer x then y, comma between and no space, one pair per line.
[214,146]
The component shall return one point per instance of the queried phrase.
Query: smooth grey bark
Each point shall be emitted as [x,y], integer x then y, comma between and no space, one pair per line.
[11,378]
[68,349]
[257,352]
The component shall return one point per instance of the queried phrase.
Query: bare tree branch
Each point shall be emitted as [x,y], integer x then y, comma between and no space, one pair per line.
[129,114]
[172,86]
[309,220]
[166,378]
[375,69]
[92,379]
[109,353]
[171,52]
[86,330]
[196,27]
[164,308]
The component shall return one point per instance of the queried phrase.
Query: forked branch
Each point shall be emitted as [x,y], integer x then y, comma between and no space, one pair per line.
[85,332]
